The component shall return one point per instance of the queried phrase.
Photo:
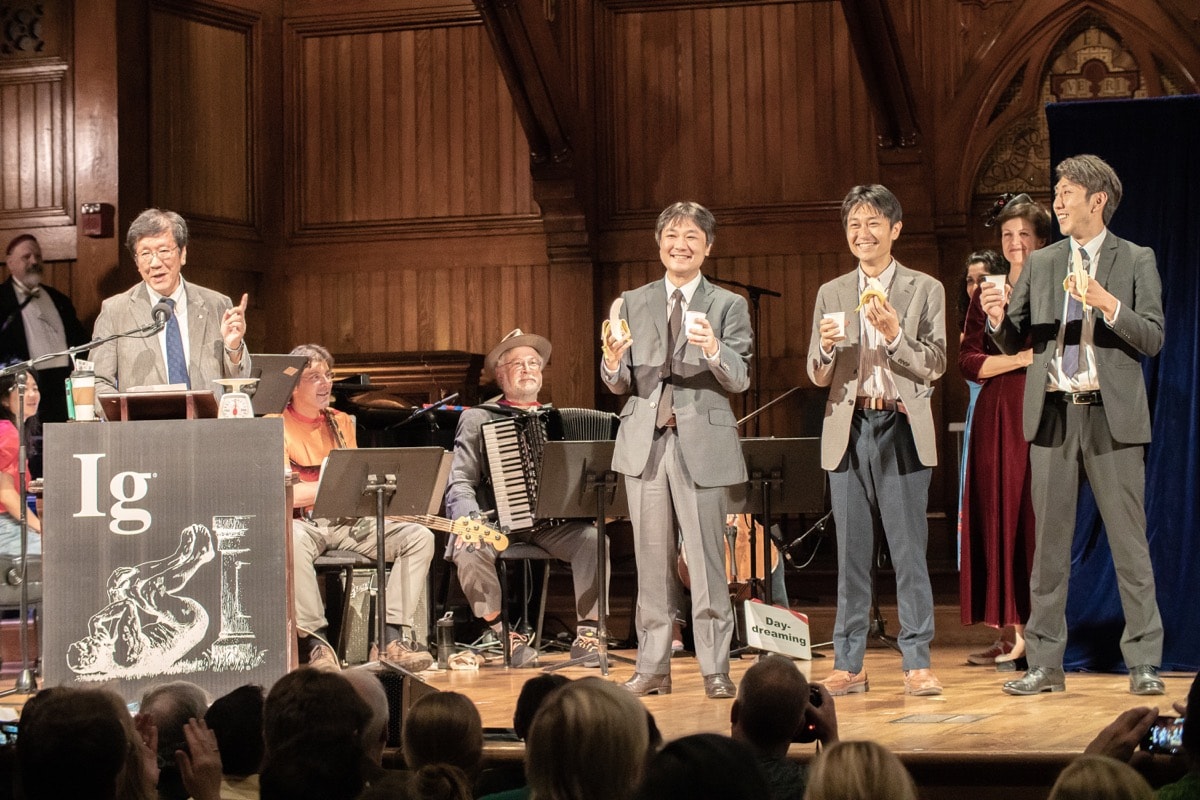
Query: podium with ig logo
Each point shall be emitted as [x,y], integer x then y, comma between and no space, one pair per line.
[166,554]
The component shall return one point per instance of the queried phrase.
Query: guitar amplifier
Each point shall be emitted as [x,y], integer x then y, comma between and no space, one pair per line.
[361,626]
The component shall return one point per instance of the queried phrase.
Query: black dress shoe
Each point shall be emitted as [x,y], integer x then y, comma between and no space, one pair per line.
[718,686]
[1036,681]
[1018,664]
[643,683]
[1144,679]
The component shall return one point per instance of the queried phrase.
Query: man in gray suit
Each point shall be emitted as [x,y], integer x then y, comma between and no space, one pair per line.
[678,443]
[877,441]
[1085,406]
[202,339]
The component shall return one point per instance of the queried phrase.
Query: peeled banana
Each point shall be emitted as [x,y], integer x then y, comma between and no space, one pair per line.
[874,289]
[1081,279]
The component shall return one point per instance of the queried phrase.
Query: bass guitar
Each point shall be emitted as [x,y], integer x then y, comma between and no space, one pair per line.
[472,531]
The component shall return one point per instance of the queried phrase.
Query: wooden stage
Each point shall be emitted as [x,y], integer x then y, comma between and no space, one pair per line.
[972,738]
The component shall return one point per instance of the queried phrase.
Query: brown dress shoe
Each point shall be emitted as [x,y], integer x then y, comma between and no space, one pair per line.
[718,686]
[322,657]
[921,683]
[644,683]
[840,682]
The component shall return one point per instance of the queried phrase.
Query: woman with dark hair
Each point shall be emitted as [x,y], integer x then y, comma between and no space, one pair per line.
[10,497]
[979,264]
[997,524]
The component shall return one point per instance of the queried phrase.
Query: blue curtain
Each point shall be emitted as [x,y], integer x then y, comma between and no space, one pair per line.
[1152,144]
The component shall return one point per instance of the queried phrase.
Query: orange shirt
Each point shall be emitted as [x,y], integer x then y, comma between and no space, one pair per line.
[307,441]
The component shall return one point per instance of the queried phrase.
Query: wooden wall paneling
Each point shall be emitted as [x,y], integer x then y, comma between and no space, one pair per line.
[201,99]
[36,150]
[401,124]
[754,106]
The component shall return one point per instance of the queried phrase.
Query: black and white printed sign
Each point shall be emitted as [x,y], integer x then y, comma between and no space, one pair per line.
[165,554]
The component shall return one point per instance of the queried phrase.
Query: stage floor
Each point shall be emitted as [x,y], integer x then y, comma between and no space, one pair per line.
[972,716]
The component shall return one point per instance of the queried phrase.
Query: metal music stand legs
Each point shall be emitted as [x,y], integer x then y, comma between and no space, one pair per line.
[603,484]
[571,473]
[352,476]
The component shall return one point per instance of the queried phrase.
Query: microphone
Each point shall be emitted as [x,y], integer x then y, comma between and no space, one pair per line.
[162,312]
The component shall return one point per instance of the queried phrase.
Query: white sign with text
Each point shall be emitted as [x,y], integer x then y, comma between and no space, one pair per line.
[777,630]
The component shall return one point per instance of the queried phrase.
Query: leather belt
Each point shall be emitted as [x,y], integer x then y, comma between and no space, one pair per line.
[879,404]
[1080,398]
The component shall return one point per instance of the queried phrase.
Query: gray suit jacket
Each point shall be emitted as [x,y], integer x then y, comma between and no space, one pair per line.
[138,360]
[1130,273]
[705,422]
[919,360]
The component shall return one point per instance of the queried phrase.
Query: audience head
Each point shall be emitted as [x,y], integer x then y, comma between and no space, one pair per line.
[588,741]
[443,728]
[312,705]
[237,721]
[1191,727]
[370,689]
[705,766]
[769,706]
[430,782]
[1096,777]
[91,732]
[533,694]
[859,771]
[309,768]
[171,705]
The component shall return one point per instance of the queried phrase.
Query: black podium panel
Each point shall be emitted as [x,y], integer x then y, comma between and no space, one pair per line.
[165,555]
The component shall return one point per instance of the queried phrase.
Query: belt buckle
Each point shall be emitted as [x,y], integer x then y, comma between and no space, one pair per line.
[1083,398]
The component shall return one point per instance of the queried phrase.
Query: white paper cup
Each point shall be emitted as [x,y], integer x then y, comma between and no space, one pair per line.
[996,280]
[689,320]
[83,395]
[840,318]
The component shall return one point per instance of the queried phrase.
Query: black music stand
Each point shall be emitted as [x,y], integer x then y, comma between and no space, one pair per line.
[571,473]
[363,483]
[785,478]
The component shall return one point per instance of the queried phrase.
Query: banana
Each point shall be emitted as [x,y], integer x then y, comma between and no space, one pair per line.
[874,289]
[1082,278]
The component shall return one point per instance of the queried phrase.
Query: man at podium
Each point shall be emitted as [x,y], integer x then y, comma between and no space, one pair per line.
[202,338]
[311,429]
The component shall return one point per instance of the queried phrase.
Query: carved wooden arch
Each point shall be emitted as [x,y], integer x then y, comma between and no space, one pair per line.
[970,130]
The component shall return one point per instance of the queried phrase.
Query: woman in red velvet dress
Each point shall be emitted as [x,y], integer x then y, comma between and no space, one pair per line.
[998,522]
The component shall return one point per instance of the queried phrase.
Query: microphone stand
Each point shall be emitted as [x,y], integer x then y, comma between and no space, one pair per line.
[423,410]
[755,294]
[26,682]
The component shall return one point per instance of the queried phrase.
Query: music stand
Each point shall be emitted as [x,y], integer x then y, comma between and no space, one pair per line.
[363,483]
[577,481]
[277,378]
[785,477]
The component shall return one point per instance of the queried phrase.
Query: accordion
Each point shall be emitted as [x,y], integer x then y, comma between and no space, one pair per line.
[513,448]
